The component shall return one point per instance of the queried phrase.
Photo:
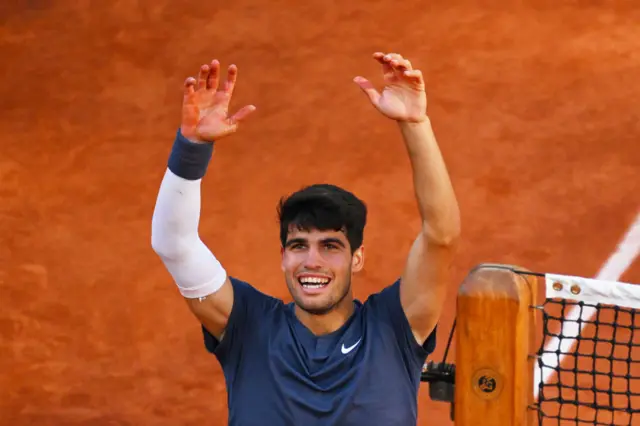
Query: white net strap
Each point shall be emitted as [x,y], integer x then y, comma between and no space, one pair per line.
[592,291]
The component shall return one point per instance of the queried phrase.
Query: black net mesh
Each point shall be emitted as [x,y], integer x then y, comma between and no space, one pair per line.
[595,369]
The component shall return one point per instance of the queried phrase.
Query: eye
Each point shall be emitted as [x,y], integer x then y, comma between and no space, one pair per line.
[296,246]
[331,246]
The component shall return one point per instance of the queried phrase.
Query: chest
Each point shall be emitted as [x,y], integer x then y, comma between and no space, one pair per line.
[350,378]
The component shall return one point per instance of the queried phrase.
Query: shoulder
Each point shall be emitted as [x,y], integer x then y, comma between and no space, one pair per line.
[245,290]
[387,295]
[385,307]
[251,309]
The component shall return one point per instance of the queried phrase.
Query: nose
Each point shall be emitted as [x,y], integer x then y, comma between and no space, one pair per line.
[313,260]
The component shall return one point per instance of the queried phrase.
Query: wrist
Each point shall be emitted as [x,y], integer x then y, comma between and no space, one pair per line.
[189,159]
[190,134]
[414,124]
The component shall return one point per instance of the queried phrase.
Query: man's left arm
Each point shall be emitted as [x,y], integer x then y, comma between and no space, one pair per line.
[426,276]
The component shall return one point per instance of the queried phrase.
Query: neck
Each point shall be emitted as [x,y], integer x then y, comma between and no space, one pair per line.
[328,322]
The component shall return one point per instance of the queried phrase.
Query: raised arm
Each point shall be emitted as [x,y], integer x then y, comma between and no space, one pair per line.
[426,275]
[200,277]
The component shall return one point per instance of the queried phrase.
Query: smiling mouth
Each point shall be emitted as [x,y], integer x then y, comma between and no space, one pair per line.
[313,284]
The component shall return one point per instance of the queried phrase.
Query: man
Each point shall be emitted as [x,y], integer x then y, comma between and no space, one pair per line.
[325,359]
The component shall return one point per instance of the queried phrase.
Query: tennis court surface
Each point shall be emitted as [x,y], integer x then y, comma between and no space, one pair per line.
[534,104]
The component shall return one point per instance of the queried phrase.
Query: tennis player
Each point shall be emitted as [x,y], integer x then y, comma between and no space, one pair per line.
[326,358]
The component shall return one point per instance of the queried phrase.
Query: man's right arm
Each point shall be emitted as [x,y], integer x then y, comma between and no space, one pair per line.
[200,277]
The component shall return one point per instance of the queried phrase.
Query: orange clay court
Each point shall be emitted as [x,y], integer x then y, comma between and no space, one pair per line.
[534,105]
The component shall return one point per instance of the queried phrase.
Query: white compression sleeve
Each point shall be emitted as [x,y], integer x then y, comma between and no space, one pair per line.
[174,237]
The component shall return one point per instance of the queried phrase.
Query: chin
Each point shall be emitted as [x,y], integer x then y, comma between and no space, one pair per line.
[315,309]
[313,305]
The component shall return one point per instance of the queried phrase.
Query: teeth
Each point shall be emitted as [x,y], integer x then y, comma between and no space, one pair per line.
[314,282]
[314,285]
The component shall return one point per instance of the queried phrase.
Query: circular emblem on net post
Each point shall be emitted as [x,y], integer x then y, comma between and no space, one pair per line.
[487,383]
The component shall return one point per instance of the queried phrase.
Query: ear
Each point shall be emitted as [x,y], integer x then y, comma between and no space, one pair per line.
[357,260]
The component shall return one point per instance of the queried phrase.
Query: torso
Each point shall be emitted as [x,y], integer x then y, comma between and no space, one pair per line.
[363,373]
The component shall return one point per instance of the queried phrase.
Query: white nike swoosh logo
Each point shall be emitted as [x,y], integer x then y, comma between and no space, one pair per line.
[350,348]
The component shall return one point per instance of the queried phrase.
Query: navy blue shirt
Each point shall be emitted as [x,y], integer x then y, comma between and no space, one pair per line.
[278,373]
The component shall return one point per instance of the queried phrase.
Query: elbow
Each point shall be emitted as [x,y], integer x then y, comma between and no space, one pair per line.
[169,240]
[170,246]
[452,233]
[159,245]
[448,238]
[163,246]
[444,235]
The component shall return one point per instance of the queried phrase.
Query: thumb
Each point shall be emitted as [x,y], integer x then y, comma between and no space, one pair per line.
[368,89]
[242,113]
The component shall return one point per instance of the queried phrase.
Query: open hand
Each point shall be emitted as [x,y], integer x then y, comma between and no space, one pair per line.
[205,108]
[403,97]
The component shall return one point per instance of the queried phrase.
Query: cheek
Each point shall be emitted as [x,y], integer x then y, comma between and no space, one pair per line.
[289,263]
[339,264]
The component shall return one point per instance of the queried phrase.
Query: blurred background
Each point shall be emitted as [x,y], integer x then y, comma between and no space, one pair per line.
[534,104]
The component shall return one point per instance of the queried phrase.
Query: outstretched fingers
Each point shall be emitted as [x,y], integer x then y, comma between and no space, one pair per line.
[232,77]
[203,76]
[214,75]
[189,86]
[208,79]
[208,76]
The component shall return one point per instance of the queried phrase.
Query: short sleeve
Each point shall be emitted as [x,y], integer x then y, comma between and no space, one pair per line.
[388,305]
[249,306]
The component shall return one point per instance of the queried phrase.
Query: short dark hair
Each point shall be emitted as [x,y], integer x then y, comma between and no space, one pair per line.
[323,207]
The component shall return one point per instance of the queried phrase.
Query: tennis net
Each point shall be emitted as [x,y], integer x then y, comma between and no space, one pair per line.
[589,359]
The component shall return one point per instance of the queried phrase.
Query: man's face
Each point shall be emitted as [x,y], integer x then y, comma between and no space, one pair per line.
[317,266]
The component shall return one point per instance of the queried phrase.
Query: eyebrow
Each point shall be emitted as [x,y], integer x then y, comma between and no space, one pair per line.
[333,240]
[323,240]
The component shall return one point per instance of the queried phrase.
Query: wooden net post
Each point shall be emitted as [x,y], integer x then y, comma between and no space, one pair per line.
[495,341]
